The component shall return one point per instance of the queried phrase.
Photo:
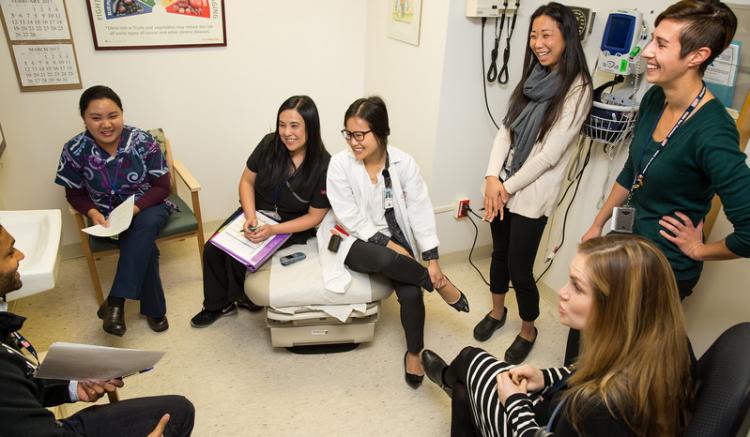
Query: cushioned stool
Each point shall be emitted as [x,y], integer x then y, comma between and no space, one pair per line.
[300,312]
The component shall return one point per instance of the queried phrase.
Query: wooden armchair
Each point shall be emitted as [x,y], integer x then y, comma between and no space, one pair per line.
[183,223]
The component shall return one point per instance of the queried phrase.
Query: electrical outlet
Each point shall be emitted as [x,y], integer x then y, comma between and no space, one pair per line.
[460,211]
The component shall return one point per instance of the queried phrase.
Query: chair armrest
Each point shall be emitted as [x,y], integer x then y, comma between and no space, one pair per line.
[186,176]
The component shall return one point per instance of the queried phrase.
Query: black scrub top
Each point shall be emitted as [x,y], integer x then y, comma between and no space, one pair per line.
[290,205]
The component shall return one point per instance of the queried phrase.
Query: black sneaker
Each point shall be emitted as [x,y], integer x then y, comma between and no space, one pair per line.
[488,325]
[246,303]
[206,317]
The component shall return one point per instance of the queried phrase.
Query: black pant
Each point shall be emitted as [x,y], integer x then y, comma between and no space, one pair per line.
[685,288]
[134,417]
[407,276]
[223,277]
[515,241]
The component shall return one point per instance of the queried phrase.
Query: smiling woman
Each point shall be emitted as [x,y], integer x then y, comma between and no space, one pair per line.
[102,167]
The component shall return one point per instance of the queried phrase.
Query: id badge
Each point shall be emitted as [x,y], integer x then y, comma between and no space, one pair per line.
[271,214]
[387,198]
[623,219]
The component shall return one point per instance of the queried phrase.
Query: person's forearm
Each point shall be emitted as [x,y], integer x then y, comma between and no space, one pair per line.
[247,198]
[617,197]
[303,223]
[715,251]
[156,194]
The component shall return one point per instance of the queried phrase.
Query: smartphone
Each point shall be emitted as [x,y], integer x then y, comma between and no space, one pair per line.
[334,243]
[293,258]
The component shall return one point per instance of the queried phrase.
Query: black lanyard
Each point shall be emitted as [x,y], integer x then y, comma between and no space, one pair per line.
[638,179]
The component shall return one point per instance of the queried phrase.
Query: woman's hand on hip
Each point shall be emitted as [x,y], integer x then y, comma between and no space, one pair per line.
[533,376]
[506,387]
[687,237]
[493,201]
[397,248]
[97,218]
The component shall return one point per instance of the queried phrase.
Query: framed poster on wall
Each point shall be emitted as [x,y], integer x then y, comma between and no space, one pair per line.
[143,24]
[404,20]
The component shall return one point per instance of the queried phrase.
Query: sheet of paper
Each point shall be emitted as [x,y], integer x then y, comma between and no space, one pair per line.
[72,361]
[119,220]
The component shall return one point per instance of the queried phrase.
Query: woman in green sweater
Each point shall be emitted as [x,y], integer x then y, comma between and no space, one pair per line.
[685,147]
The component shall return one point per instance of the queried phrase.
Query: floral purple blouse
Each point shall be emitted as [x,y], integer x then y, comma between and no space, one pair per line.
[110,180]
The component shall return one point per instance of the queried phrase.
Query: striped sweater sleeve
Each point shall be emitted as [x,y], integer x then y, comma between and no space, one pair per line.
[519,407]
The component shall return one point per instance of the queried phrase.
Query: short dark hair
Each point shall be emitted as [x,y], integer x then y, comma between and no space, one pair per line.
[709,23]
[97,92]
[372,110]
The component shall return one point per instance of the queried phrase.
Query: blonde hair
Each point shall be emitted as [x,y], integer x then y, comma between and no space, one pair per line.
[634,357]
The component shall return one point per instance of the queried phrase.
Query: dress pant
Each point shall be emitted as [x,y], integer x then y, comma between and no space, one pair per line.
[133,417]
[515,241]
[223,276]
[137,275]
[407,276]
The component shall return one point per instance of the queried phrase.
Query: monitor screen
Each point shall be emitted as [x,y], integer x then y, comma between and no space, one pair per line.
[619,33]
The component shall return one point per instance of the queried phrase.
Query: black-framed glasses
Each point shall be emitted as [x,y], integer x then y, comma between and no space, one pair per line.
[358,135]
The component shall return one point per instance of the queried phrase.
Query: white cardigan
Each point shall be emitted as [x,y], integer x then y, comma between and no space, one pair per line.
[347,187]
[535,186]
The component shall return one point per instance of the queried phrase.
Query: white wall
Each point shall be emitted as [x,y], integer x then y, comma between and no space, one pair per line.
[214,103]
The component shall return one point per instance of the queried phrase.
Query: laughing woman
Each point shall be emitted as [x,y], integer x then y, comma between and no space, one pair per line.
[378,197]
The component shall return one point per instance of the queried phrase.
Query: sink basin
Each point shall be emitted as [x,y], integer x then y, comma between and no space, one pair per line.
[37,235]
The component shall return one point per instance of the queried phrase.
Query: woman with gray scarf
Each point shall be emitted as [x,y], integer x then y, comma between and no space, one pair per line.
[527,165]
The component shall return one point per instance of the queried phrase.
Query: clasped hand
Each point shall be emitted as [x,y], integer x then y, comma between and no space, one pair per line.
[91,391]
[522,379]
[495,198]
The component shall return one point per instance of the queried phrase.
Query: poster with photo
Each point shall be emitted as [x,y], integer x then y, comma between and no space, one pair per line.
[404,20]
[138,24]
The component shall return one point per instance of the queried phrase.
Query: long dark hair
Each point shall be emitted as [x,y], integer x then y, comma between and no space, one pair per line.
[571,65]
[372,110]
[316,156]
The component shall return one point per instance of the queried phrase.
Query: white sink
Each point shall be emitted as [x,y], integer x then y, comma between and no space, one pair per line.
[37,235]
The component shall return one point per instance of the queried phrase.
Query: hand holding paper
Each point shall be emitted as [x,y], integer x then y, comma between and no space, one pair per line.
[119,220]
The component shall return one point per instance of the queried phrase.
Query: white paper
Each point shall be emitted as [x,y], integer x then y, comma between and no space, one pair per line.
[71,361]
[119,220]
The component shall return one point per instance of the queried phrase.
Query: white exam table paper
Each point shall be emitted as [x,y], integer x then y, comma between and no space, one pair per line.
[72,361]
[119,220]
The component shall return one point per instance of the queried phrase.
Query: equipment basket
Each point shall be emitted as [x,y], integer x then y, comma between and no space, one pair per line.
[610,124]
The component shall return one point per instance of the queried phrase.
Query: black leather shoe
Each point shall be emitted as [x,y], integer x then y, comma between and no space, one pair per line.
[519,349]
[488,325]
[414,381]
[246,303]
[462,304]
[158,324]
[113,319]
[433,368]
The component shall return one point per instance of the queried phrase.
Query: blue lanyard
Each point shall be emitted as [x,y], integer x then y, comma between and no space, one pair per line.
[638,179]
[554,415]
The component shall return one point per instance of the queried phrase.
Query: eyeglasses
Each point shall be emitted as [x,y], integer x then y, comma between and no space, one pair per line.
[359,135]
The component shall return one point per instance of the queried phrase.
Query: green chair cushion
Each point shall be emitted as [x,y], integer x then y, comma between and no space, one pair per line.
[179,222]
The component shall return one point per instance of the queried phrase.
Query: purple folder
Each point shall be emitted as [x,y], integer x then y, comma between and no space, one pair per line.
[252,259]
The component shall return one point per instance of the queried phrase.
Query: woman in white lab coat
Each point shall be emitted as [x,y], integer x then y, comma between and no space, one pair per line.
[381,204]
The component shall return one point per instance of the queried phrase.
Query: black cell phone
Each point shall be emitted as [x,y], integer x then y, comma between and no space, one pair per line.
[291,259]
[334,243]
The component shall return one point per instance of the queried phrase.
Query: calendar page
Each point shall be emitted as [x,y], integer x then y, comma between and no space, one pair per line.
[46,64]
[35,20]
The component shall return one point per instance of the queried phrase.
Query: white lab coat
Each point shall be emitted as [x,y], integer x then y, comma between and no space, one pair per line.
[347,188]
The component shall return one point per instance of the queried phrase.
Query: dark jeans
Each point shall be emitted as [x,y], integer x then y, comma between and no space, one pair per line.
[408,278]
[515,241]
[573,346]
[133,417]
[137,275]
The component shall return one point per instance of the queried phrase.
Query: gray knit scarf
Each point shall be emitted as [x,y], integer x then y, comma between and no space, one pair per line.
[539,88]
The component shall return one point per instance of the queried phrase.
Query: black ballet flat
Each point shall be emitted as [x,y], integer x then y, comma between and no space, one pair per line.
[462,304]
[414,381]
[433,368]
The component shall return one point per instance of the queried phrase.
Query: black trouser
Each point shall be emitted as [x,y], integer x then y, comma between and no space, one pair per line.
[515,241]
[223,277]
[134,417]
[685,287]
[407,276]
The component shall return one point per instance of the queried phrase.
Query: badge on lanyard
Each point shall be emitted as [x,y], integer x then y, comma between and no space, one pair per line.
[387,198]
[623,219]
[271,214]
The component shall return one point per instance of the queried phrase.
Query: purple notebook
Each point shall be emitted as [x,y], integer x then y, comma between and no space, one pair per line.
[231,240]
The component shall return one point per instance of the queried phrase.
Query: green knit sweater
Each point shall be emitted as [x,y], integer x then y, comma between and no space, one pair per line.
[701,159]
